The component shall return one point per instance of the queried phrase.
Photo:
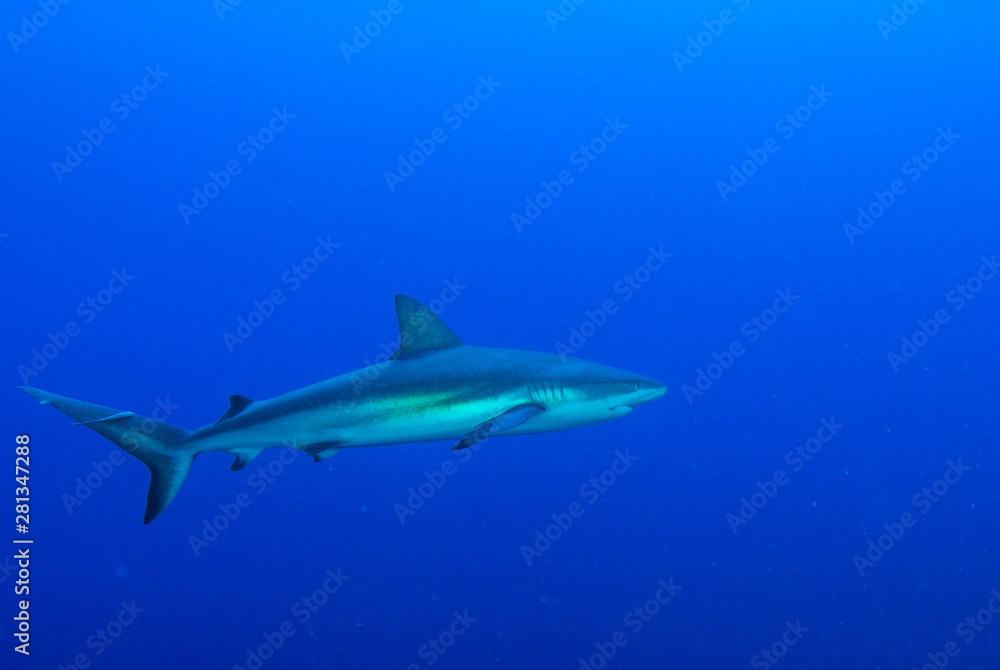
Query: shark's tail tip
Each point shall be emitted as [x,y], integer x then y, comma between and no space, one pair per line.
[38,394]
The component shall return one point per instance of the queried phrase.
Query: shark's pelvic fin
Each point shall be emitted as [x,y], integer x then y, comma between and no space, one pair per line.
[515,416]
[237,403]
[325,454]
[322,450]
[420,330]
[153,442]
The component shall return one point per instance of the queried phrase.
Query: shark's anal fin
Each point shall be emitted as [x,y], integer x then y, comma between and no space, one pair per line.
[420,330]
[242,460]
[513,417]
[237,403]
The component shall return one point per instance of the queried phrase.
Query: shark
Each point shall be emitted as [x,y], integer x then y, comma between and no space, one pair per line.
[434,387]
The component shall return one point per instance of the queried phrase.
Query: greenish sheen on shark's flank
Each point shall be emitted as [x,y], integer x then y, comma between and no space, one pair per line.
[434,387]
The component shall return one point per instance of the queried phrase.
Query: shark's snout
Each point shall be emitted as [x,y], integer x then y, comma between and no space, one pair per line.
[647,390]
[637,392]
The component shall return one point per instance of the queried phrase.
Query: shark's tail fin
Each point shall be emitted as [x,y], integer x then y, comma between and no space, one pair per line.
[155,443]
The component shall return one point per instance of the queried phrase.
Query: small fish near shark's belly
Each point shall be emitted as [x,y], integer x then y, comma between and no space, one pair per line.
[431,426]
[562,416]
[401,425]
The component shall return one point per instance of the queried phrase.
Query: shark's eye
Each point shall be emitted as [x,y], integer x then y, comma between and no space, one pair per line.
[638,386]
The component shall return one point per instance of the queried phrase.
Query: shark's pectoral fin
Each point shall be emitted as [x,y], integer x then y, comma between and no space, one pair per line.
[237,403]
[513,417]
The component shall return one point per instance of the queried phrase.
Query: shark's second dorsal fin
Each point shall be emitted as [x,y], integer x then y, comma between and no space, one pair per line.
[420,330]
[237,403]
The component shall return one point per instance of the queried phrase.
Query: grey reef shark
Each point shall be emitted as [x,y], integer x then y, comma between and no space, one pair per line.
[434,387]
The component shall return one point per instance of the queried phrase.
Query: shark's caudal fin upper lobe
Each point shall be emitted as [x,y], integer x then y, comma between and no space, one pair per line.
[153,442]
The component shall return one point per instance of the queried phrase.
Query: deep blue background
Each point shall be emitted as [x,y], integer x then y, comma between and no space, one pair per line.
[655,185]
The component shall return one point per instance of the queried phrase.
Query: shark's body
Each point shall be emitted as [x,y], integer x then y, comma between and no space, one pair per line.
[433,388]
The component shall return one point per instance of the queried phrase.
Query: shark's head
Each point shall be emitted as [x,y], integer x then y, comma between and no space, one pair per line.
[616,392]
[580,393]
[562,392]
[623,395]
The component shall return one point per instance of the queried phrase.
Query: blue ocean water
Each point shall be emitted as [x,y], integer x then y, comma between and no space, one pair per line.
[784,212]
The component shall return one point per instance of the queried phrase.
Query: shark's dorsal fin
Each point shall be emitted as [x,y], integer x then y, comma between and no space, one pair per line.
[237,403]
[420,330]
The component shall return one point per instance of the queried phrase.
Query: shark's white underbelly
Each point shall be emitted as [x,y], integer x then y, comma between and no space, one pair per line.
[363,425]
